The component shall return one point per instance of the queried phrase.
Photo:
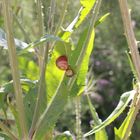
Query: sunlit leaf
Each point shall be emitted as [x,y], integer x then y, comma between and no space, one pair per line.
[28,68]
[80,82]
[87,6]
[121,131]
[101,19]
[53,74]
[101,135]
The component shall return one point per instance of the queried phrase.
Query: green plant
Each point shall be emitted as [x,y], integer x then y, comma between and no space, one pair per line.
[48,72]
[52,96]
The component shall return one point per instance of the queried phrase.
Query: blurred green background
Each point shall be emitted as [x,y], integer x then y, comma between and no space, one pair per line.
[109,62]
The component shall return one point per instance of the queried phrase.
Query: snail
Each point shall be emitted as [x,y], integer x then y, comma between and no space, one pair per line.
[69,72]
[62,64]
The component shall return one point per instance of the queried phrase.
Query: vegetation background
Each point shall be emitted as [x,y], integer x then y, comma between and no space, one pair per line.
[110,66]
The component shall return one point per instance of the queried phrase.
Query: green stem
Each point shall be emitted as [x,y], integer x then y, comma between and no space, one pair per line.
[78,118]
[51,16]
[135,106]
[42,83]
[43,55]
[14,68]
[41,30]
[40,18]
[41,93]
[93,112]
[63,14]
[26,36]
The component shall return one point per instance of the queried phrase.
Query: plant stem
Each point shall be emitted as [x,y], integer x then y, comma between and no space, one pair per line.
[26,36]
[126,17]
[78,118]
[42,83]
[41,30]
[93,112]
[40,18]
[125,12]
[14,68]
[41,93]
[43,55]
[63,14]
[8,132]
[51,16]
[135,106]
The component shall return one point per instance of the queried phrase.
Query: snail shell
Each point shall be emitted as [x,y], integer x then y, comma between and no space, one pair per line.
[62,62]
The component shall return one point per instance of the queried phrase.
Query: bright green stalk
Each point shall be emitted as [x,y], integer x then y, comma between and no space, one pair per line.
[14,68]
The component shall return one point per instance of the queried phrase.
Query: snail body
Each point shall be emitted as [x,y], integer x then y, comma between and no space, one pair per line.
[62,64]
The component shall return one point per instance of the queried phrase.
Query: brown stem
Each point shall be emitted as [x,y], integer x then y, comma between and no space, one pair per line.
[130,36]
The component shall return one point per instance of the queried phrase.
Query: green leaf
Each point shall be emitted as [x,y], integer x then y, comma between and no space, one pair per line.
[8,87]
[81,16]
[120,133]
[101,19]
[124,100]
[101,135]
[28,68]
[94,114]
[85,63]
[46,38]
[3,42]
[87,6]
[53,74]
[82,72]
[29,103]
[53,110]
